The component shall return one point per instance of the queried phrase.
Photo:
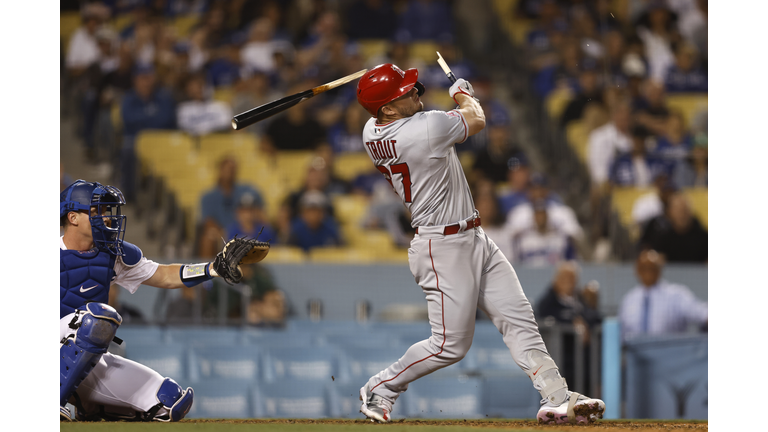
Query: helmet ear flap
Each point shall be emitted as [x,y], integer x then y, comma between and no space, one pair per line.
[420,89]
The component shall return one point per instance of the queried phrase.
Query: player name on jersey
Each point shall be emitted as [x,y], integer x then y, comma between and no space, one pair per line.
[382,149]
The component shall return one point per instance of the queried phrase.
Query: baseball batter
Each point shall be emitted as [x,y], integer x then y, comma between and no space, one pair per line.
[458,267]
[93,257]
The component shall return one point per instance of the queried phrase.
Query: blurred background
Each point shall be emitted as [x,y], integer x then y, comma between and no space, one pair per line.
[591,176]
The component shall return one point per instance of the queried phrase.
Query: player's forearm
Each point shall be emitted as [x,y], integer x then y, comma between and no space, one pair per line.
[472,112]
[169,276]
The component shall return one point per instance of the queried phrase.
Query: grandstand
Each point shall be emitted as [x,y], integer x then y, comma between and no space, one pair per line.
[126,80]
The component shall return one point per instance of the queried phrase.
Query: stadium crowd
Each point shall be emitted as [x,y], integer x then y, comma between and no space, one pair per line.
[189,65]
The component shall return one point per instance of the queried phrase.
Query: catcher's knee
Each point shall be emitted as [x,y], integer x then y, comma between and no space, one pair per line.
[176,401]
[79,355]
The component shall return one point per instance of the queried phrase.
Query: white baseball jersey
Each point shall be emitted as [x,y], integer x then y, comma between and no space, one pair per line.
[417,156]
[458,272]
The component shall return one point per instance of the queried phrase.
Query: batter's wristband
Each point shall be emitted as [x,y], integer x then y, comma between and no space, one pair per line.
[195,274]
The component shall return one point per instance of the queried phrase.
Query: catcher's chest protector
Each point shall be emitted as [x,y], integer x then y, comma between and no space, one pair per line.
[85,276]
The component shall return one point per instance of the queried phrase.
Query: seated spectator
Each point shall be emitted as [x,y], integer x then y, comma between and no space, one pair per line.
[544,243]
[146,106]
[677,234]
[656,306]
[518,180]
[83,50]
[200,115]
[258,53]
[386,212]
[370,19]
[344,136]
[676,143]
[224,69]
[652,204]
[686,75]
[637,168]
[296,129]
[250,220]
[589,91]
[314,227]
[493,162]
[218,205]
[692,171]
[608,142]
[537,188]
[559,215]
[130,314]
[650,110]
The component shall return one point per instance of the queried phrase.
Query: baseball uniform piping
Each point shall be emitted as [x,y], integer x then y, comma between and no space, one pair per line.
[442,312]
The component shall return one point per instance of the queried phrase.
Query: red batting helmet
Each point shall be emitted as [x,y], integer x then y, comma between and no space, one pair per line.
[385,83]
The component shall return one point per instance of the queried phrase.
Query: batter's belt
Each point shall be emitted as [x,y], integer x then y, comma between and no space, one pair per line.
[472,222]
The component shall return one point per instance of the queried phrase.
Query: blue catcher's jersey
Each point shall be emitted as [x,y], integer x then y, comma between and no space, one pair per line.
[87,275]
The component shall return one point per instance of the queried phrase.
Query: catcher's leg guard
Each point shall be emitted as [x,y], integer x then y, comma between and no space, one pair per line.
[175,400]
[79,355]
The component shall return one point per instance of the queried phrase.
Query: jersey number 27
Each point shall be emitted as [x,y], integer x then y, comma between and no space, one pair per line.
[401,168]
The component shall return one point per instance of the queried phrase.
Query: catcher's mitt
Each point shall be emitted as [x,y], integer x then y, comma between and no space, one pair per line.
[238,251]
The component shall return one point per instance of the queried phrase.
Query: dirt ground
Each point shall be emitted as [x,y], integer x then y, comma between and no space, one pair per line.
[602,425]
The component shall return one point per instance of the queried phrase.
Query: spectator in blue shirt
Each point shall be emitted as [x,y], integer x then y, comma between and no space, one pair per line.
[313,227]
[656,306]
[638,168]
[250,220]
[146,106]
[676,144]
[218,205]
[686,75]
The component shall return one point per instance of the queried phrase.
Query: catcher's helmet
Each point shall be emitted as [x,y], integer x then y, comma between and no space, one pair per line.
[81,196]
[385,83]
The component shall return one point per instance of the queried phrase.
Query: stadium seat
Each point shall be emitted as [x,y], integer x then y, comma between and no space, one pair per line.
[509,395]
[218,398]
[140,334]
[300,363]
[286,254]
[577,135]
[341,255]
[364,363]
[424,50]
[350,209]
[205,336]
[557,100]
[121,22]
[689,104]
[183,24]
[622,200]
[214,362]
[370,48]
[699,198]
[274,339]
[294,399]
[68,24]
[445,397]
[467,159]
[242,146]
[224,94]
[349,165]
[292,167]
[158,148]
[169,360]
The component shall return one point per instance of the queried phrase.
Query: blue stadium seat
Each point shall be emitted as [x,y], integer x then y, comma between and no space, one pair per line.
[169,360]
[242,363]
[269,339]
[509,395]
[294,399]
[364,363]
[142,334]
[222,399]
[445,397]
[301,363]
[206,336]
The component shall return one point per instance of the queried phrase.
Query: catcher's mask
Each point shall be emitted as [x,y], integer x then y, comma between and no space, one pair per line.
[107,222]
